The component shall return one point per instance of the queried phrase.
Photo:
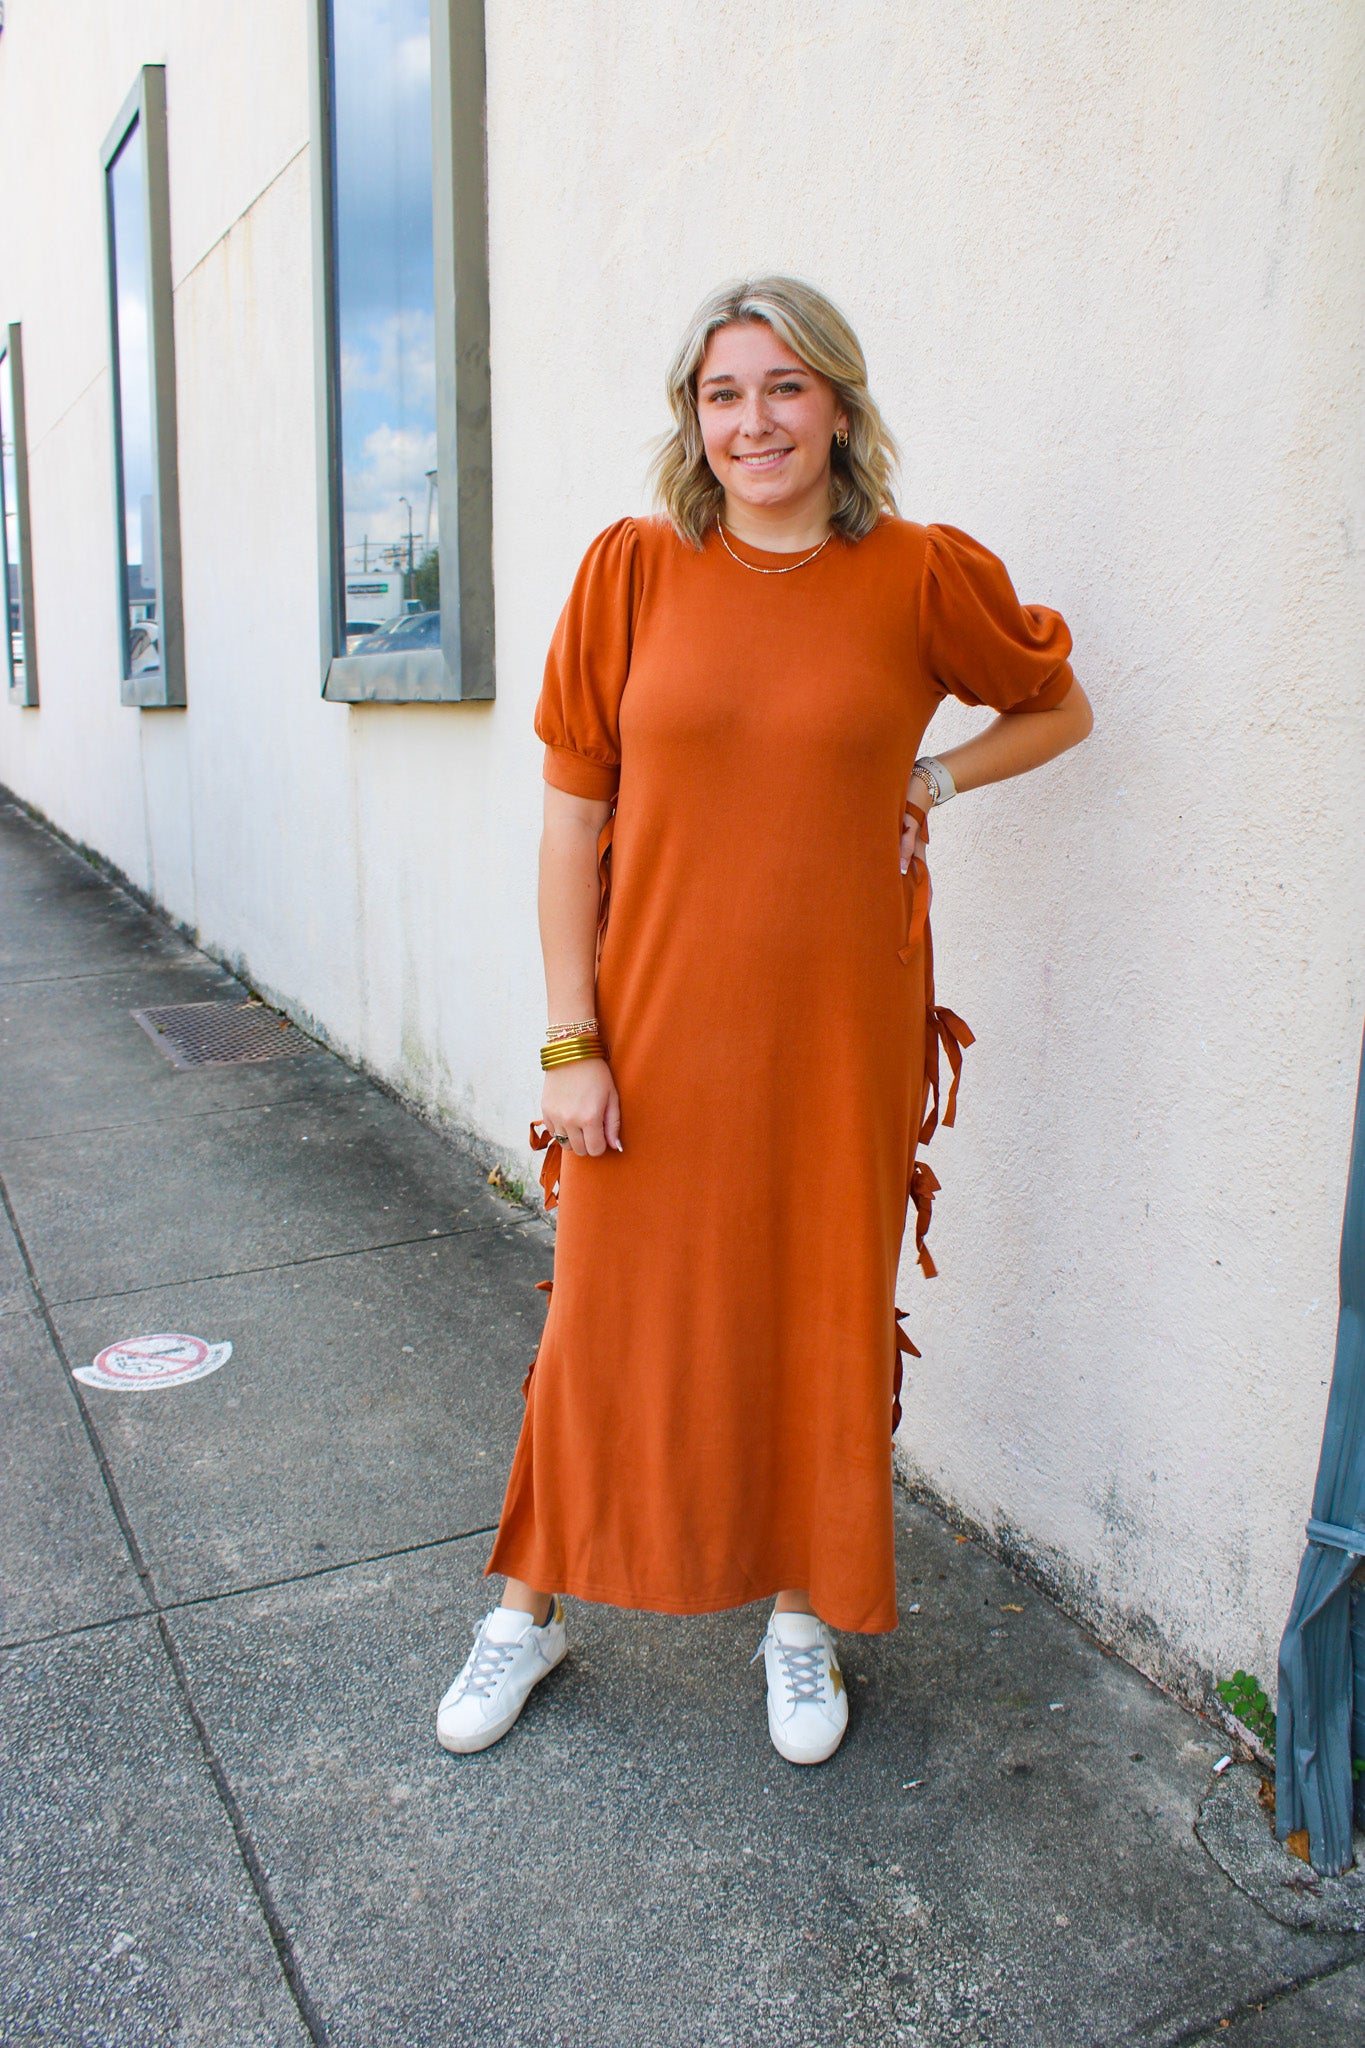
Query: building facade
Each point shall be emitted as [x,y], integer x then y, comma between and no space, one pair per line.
[303,300]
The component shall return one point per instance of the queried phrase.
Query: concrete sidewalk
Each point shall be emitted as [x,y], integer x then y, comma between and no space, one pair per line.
[229,1608]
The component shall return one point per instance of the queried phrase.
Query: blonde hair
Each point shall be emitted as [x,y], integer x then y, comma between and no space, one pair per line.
[861,475]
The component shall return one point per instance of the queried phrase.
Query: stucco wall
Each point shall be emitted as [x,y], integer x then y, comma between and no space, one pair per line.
[1106,266]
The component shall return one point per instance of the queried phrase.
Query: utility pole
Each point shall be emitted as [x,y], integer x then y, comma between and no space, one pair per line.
[408,591]
[426,530]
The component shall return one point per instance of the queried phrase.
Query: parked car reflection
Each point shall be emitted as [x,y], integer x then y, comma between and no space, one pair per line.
[357,629]
[144,649]
[403,636]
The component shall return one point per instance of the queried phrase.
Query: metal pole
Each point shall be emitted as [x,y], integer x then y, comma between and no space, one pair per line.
[1313,1776]
[408,591]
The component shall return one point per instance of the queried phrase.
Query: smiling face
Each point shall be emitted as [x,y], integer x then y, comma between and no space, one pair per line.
[767,423]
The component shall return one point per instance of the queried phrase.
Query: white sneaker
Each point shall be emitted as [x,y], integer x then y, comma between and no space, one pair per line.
[510,1655]
[807,1703]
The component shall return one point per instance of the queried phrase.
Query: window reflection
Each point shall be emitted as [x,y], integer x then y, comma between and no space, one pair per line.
[385,320]
[15,623]
[139,552]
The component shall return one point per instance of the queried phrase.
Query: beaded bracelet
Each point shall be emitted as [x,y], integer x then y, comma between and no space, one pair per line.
[557,1031]
[938,778]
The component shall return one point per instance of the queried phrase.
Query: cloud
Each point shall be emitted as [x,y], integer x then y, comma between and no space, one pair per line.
[135,413]
[412,62]
[395,356]
[383,153]
[394,462]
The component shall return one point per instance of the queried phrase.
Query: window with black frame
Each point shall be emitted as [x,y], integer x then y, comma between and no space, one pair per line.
[142,353]
[21,657]
[400,236]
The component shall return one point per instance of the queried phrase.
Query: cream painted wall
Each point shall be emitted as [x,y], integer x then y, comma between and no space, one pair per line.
[1107,269]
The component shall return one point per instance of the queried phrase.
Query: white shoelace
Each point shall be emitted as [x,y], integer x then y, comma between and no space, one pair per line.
[486,1664]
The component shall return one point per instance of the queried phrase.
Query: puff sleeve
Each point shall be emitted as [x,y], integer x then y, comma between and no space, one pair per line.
[976,639]
[578,713]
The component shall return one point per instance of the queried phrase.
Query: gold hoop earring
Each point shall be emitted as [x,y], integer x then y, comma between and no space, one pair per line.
[841,437]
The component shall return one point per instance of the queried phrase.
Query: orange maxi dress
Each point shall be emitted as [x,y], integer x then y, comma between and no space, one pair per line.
[710,1411]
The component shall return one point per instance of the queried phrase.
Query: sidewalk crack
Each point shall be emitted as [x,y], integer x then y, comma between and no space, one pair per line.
[1206,2031]
[321,1571]
[300,1578]
[246,1847]
[82,974]
[357,1251]
[173,1116]
[77,1628]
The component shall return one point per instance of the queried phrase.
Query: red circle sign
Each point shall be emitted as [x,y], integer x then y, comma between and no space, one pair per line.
[166,1359]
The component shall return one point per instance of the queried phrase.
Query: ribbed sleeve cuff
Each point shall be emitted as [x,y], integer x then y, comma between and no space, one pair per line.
[1052,692]
[578,776]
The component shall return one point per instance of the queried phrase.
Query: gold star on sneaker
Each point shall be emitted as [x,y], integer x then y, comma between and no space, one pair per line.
[836,1676]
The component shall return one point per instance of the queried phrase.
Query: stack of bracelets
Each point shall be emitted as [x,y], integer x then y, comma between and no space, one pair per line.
[567,1042]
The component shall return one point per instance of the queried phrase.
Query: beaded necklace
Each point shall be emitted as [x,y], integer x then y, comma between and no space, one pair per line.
[771,572]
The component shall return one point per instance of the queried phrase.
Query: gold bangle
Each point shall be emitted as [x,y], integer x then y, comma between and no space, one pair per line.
[566,1050]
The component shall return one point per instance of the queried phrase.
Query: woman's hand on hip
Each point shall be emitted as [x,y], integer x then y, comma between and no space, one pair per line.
[911,843]
[580,1104]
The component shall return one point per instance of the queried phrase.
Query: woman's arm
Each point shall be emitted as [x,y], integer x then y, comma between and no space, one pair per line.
[1010,745]
[579,1100]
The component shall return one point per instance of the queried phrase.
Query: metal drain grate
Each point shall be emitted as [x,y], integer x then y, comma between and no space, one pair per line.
[221,1034]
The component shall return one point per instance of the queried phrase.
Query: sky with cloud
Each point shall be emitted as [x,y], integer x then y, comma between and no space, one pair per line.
[8,485]
[385,286]
[126,180]
[12,666]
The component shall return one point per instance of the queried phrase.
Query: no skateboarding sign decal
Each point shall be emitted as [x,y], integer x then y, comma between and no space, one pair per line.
[138,1365]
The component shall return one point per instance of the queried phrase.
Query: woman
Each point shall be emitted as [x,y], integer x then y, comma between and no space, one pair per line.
[743,1053]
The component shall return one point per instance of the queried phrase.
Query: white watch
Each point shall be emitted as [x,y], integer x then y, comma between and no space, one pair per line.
[941,785]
